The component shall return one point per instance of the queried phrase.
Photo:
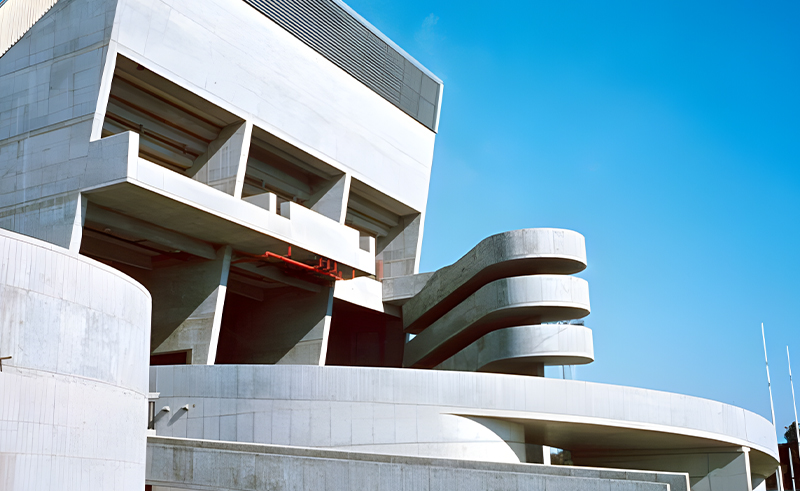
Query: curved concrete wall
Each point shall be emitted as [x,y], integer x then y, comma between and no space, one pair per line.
[516,253]
[503,303]
[525,350]
[73,402]
[435,413]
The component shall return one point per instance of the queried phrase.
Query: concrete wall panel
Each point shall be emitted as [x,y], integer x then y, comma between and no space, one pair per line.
[235,466]
[239,59]
[437,413]
[73,396]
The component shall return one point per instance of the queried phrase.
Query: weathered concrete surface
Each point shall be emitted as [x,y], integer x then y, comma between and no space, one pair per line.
[502,303]
[238,59]
[188,300]
[73,396]
[446,414]
[290,326]
[401,289]
[516,253]
[525,350]
[192,464]
[49,85]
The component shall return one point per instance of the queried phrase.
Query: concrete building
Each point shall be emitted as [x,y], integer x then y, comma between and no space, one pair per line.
[232,193]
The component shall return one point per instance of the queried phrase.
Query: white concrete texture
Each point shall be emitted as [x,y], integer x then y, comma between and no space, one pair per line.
[502,303]
[233,56]
[437,413]
[73,396]
[193,464]
[524,350]
[203,212]
[516,253]
[49,84]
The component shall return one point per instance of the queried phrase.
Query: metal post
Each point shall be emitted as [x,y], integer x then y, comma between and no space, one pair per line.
[794,404]
[778,473]
[791,468]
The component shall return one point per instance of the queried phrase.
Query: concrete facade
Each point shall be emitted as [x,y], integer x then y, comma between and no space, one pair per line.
[73,395]
[213,183]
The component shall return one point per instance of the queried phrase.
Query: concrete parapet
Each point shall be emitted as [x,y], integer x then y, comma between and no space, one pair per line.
[502,303]
[73,396]
[516,253]
[194,464]
[446,414]
[525,350]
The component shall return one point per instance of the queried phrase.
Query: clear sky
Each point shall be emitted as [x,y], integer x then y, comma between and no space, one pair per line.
[667,133]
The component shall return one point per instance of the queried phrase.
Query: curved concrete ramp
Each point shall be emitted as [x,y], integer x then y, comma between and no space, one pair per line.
[525,350]
[503,303]
[457,415]
[516,253]
[253,467]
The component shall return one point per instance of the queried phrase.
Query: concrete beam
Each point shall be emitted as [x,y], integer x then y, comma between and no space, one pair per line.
[252,467]
[153,233]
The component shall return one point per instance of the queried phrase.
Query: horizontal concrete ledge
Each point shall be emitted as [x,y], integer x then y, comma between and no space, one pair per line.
[579,416]
[516,253]
[524,350]
[503,303]
[147,191]
[340,470]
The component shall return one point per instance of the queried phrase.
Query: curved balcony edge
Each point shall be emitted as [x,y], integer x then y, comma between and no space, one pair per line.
[515,253]
[508,302]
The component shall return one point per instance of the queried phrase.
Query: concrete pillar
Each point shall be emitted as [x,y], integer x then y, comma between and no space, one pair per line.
[331,200]
[735,476]
[398,253]
[312,349]
[289,326]
[224,163]
[187,306]
[708,469]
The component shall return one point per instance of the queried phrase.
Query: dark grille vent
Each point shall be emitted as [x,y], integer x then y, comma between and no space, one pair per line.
[341,38]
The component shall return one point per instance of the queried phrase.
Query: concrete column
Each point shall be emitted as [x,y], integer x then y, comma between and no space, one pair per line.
[399,251]
[708,469]
[187,306]
[312,349]
[224,163]
[289,326]
[331,200]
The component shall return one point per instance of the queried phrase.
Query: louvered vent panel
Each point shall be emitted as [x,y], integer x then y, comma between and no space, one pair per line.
[334,33]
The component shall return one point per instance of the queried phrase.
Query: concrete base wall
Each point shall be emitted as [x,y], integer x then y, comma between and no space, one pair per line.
[73,396]
[186,464]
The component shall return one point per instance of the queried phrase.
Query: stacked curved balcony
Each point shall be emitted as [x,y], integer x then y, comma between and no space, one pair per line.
[494,309]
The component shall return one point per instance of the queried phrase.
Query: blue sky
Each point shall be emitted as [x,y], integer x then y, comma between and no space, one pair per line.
[667,133]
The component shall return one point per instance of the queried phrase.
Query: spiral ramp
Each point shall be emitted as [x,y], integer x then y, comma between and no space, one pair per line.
[491,310]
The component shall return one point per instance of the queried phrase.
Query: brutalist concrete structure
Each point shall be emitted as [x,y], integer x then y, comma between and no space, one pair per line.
[232,193]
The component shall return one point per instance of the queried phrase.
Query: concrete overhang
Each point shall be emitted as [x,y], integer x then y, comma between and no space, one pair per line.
[141,189]
[584,435]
